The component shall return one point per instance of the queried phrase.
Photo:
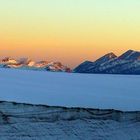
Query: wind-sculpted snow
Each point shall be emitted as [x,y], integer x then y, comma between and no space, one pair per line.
[38,122]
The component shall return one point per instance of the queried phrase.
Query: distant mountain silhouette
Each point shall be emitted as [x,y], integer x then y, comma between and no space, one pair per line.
[127,63]
[26,63]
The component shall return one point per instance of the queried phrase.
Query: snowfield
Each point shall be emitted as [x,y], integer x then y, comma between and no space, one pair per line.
[36,122]
[81,106]
[120,92]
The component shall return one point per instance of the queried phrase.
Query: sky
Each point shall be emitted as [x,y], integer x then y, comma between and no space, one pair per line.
[69,31]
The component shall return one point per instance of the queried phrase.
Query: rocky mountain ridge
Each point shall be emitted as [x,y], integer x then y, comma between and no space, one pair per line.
[127,63]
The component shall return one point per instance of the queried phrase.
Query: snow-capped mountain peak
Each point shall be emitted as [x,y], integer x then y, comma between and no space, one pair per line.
[127,63]
[26,63]
[41,64]
[130,55]
[8,60]
[106,57]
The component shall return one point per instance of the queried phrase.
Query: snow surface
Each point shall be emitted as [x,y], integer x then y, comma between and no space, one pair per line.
[121,92]
[36,122]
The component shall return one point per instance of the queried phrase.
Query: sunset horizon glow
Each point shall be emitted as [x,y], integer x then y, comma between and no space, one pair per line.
[68,31]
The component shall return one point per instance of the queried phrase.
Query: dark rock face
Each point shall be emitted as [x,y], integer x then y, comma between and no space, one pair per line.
[34,122]
[127,63]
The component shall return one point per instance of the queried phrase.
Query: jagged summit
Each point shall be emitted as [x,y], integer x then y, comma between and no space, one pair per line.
[130,55]
[106,57]
[109,55]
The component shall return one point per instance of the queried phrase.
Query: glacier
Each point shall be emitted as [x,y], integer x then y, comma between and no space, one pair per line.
[118,92]
[39,105]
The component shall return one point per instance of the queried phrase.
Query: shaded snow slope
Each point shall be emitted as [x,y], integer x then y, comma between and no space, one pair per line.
[71,90]
[37,122]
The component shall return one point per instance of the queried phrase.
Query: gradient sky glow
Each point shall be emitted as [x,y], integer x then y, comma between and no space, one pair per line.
[69,31]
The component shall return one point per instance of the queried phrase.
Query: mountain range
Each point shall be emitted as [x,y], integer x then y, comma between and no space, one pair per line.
[26,63]
[127,63]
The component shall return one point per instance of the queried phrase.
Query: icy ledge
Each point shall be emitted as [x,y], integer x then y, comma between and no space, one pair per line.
[41,122]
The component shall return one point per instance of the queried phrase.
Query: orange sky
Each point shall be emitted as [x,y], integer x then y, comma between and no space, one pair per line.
[68,31]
